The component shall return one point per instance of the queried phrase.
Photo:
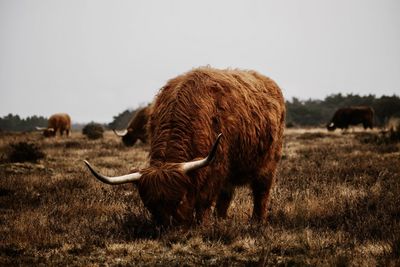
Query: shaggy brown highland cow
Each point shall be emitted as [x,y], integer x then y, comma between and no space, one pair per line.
[136,128]
[344,117]
[188,114]
[57,122]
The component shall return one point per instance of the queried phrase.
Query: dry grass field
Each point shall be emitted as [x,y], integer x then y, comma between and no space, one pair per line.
[336,203]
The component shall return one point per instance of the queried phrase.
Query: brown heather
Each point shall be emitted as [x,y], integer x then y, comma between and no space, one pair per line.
[336,203]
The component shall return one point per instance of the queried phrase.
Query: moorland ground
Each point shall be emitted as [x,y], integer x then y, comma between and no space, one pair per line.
[336,203]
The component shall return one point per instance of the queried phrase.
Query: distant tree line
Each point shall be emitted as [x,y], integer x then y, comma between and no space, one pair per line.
[15,123]
[121,120]
[309,112]
[318,112]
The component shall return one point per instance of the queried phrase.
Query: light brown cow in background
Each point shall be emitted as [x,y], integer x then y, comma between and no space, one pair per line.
[60,122]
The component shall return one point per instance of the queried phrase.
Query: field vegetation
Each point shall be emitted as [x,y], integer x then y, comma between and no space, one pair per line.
[336,203]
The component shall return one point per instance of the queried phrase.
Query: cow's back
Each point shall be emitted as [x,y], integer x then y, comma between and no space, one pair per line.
[192,109]
[60,121]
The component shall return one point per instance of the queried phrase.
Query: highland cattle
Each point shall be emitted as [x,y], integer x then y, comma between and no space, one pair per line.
[185,177]
[136,128]
[344,117]
[60,122]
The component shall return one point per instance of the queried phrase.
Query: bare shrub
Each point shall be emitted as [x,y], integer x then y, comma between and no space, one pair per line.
[93,130]
[23,152]
[390,137]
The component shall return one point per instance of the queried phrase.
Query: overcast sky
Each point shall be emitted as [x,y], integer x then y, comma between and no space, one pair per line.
[95,58]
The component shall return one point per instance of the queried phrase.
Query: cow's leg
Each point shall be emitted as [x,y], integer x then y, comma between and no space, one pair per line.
[203,213]
[367,125]
[67,132]
[224,200]
[261,194]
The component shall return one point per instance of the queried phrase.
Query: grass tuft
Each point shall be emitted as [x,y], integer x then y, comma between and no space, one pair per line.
[25,152]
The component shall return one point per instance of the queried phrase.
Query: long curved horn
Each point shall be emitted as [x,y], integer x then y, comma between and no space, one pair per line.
[40,128]
[121,133]
[129,178]
[197,164]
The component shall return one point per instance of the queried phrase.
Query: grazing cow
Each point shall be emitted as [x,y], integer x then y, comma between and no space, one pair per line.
[57,122]
[352,116]
[136,128]
[188,114]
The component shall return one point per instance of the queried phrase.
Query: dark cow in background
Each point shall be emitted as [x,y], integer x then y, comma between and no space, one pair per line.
[60,122]
[344,117]
[136,127]
[188,114]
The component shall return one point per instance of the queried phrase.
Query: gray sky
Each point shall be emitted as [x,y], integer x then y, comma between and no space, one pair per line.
[95,58]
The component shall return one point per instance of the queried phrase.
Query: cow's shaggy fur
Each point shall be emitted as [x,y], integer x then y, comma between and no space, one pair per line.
[137,127]
[188,114]
[344,117]
[58,122]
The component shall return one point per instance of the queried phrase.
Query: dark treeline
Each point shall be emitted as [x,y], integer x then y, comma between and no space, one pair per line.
[15,123]
[319,112]
[122,120]
[299,112]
